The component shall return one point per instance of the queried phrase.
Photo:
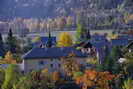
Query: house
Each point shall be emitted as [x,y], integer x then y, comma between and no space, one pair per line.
[50,58]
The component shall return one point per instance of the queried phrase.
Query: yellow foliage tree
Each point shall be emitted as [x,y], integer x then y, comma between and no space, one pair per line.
[65,40]
[38,38]
[113,36]
[9,58]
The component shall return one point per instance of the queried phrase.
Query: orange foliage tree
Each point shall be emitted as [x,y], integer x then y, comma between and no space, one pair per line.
[94,79]
[56,76]
[9,58]
[70,65]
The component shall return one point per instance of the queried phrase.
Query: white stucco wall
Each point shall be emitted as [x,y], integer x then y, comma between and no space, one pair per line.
[34,64]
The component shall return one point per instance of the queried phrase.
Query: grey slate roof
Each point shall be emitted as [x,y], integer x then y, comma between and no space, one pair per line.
[98,37]
[54,52]
[119,42]
[100,44]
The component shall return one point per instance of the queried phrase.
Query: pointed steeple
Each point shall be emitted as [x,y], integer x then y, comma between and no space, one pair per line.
[10,34]
[49,42]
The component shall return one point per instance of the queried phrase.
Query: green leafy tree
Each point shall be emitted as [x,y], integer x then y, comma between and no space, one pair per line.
[11,77]
[110,62]
[129,63]
[35,80]
[82,34]
[2,76]
[115,53]
[128,84]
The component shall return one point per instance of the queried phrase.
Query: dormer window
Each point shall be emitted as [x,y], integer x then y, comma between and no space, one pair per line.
[51,65]
[59,65]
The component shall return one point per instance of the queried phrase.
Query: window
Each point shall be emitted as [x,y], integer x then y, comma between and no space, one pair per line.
[59,65]
[51,65]
[41,63]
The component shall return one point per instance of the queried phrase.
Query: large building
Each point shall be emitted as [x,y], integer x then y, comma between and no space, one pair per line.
[50,58]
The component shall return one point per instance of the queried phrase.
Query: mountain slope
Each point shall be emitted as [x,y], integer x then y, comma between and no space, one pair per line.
[50,8]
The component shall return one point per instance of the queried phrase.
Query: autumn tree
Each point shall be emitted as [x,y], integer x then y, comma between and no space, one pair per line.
[70,65]
[43,25]
[61,22]
[78,76]
[12,76]
[65,40]
[56,76]
[9,58]
[96,80]
[69,21]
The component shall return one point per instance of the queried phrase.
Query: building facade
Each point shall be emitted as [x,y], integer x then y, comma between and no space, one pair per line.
[51,58]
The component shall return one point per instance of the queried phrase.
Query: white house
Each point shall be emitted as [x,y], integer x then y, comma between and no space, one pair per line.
[50,58]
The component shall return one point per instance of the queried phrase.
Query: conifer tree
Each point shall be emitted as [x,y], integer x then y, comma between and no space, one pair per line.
[49,42]
[2,45]
[82,34]
[1,40]
[11,42]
